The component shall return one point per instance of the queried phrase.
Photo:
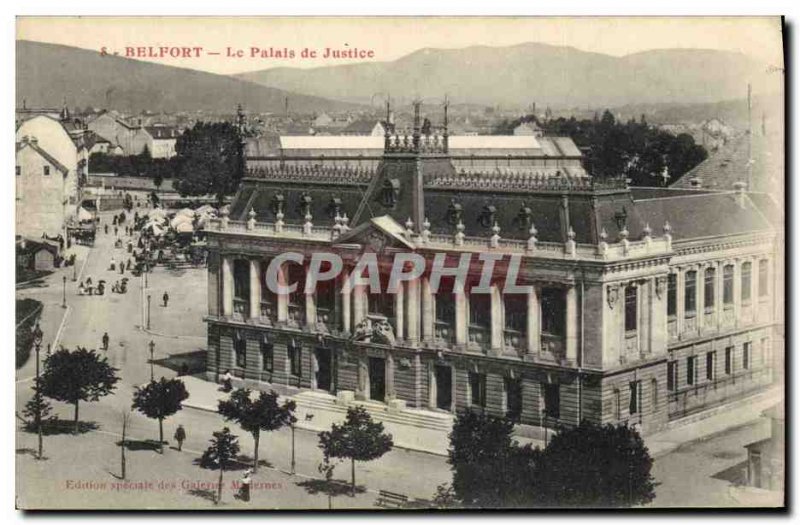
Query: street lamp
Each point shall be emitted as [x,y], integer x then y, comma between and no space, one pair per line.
[148,311]
[152,346]
[292,421]
[64,295]
[37,341]
[74,272]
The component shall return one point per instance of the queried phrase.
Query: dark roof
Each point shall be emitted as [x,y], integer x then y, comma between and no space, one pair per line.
[360,126]
[49,158]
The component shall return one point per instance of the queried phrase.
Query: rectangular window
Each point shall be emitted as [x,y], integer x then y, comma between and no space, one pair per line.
[513,398]
[708,291]
[552,400]
[295,360]
[241,279]
[763,278]
[477,389]
[711,358]
[19,170]
[672,294]
[516,312]
[654,392]
[690,370]
[729,360]
[727,284]
[47,170]
[690,293]
[240,348]
[746,355]
[633,405]
[747,279]
[480,310]
[554,309]
[631,309]
[267,356]
[672,375]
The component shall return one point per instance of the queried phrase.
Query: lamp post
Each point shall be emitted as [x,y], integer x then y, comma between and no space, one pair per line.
[37,341]
[292,421]
[148,311]
[74,273]
[64,294]
[152,346]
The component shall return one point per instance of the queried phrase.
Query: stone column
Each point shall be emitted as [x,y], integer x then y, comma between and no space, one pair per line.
[399,311]
[718,290]
[283,298]
[412,311]
[572,324]
[497,325]
[227,286]
[461,317]
[701,296]
[658,317]
[255,289]
[644,296]
[680,295]
[346,302]
[311,310]
[737,291]
[534,322]
[427,310]
[755,266]
[359,300]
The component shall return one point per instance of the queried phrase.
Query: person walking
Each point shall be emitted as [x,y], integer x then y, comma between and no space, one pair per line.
[244,490]
[116,230]
[105,341]
[180,436]
[166,299]
[105,227]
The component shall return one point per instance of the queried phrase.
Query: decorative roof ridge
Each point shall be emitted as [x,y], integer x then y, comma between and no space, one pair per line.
[315,173]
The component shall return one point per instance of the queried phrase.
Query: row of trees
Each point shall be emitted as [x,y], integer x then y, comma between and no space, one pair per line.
[632,149]
[589,465]
[209,160]
[83,375]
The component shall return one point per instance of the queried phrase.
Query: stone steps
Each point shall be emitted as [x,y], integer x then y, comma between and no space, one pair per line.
[380,412]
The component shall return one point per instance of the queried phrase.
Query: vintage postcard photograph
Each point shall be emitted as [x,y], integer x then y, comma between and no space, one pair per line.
[413,263]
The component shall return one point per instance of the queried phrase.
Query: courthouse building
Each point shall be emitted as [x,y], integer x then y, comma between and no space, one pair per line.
[646,304]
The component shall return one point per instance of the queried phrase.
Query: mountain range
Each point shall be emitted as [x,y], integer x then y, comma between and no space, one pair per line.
[532,72]
[49,74]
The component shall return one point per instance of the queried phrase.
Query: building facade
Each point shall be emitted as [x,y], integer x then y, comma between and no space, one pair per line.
[644,305]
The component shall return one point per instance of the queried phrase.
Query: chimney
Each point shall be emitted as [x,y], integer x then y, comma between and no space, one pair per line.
[740,194]
[33,140]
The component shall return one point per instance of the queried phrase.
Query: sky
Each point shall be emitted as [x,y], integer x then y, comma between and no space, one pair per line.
[391,38]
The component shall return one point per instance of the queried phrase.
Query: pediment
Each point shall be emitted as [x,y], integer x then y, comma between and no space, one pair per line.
[377,234]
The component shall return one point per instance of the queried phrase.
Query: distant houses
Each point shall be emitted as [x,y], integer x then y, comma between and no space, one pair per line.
[131,139]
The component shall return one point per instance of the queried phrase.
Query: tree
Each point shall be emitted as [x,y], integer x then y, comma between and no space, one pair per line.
[159,400]
[221,453]
[489,469]
[254,416]
[209,160]
[80,375]
[358,439]
[595,465]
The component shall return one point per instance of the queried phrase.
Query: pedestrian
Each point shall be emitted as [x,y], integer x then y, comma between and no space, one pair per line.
[105,341]
[166,299]
[115,220]
[244,490]
[227,381]
[105,227]
[128,264]
[115,231]
[180,436]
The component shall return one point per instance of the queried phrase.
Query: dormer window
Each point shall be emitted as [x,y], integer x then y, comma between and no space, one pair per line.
[47,170]
[277,203]
[454,212]
[334,207]
[524,218]
[488,216]
[390,192]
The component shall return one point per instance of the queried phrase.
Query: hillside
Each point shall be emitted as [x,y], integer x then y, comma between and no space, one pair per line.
[48,74]
[532,72]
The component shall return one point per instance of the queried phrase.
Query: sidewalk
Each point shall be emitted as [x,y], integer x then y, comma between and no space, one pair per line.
[316,412]
[708,423]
